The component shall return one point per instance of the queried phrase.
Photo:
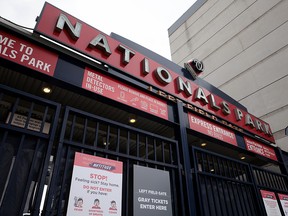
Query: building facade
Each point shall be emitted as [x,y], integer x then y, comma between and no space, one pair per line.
[244,47]
[68,145]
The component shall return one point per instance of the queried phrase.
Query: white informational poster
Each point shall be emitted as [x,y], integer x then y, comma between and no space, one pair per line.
[270,203]
[284,203]
[96,186]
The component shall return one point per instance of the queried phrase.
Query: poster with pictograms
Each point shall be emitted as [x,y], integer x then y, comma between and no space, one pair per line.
[96,186]
[270,203]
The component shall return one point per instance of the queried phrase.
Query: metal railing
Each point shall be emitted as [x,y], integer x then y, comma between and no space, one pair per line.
[94,135]
[224,186]
[27,129]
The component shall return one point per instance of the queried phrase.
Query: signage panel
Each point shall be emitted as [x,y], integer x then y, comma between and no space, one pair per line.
[96,186]
[33,124]
[260,149]
[113,89]
[284,203]
[27,54]
[152,196]
[78,35]
[207,127]
[270,203]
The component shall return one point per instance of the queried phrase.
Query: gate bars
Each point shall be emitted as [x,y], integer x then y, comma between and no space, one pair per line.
[224,186]
[27,129]
[94,135]
[229,187]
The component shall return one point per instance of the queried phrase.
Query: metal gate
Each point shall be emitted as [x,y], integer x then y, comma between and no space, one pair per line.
[271,182]
[86,133]
[27,128]
[229,187]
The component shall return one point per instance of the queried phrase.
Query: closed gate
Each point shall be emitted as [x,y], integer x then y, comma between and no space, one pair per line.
[30,150]
[275,184]
[230,187]
[93,135]
[27,128]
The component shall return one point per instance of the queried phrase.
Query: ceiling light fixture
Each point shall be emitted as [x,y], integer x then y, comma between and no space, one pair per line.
[47,89]
[104,140]
[203,144]
[242,156]
[132,118]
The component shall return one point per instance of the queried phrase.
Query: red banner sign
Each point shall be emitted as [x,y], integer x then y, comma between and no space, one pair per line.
[27,54]
[115,90]
[206,127]
[260,149]
[76,34]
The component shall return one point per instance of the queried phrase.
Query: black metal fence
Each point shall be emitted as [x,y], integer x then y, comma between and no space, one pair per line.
[90,134]
[224,186]
[270,180]
[27,128]
[229,187]
[34,160]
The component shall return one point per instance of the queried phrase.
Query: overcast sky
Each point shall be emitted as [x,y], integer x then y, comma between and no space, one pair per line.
[144,22]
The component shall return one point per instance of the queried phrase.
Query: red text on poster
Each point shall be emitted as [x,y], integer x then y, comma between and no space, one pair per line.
[96,186]
[270,203]
[284,203]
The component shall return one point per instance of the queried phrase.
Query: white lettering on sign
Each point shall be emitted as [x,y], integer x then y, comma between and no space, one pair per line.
[35,63]
[110,51]
[259,148]
[22,53]
[5,44]
[204,126]
[201,123]
[95,83]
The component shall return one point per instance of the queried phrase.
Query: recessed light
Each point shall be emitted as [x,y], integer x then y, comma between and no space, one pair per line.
[47,90]
[242,156]
[132,118]
[104,141]
[203,144]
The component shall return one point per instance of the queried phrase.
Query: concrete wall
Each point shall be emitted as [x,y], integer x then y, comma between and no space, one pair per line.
[243,45]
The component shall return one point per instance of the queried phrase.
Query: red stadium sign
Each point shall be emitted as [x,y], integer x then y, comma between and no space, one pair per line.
[207,127]
[27,54]
[68,30]
[111,88]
